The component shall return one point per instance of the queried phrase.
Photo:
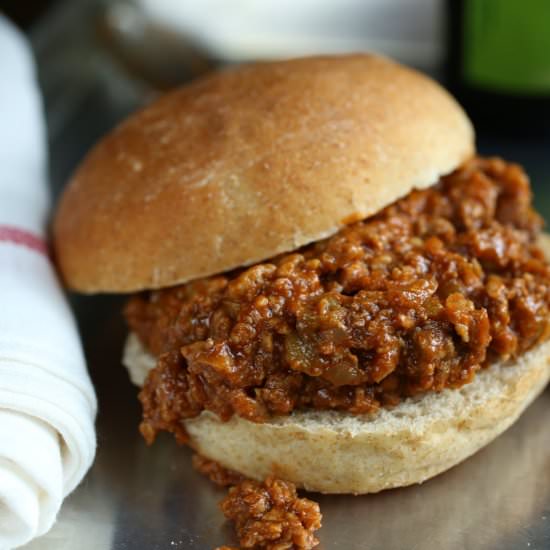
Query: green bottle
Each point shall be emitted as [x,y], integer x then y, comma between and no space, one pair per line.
[499,62]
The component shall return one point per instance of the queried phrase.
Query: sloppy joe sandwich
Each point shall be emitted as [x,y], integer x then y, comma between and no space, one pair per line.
[327,284]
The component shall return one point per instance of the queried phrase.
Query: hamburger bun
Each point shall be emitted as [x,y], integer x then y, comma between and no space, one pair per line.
[255,161]
[334,452]
[221,173]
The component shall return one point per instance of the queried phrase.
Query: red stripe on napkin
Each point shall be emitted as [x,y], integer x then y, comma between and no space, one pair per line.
[14,235]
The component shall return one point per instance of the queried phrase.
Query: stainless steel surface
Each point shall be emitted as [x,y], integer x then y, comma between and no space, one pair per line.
[150,498]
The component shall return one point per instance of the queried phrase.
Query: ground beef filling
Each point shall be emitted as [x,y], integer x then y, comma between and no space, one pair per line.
[270,515]
[267,515]
[215,472]
[416,298]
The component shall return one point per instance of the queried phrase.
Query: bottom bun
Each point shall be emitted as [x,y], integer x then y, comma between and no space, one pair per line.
[334,452]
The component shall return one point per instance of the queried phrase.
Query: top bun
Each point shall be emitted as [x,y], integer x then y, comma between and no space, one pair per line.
[250,162]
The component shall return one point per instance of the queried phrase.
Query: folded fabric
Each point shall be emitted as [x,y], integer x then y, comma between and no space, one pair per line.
[47,403]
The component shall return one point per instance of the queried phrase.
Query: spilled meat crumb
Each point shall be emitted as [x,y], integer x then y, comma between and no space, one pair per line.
[215,472]
[271,516]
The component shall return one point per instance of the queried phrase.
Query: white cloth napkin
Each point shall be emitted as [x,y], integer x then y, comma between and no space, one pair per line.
[47,403]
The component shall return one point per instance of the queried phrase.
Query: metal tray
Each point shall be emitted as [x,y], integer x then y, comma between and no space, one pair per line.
[150,498]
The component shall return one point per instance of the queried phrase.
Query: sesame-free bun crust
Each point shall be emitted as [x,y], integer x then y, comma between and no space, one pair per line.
[334,452]
[251,162]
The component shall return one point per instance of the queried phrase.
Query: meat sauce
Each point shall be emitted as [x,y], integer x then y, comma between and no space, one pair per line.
[215,472]
[271,516]
[417,298]
[268,515]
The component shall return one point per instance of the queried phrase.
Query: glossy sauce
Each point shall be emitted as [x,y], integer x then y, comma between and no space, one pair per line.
[417,298]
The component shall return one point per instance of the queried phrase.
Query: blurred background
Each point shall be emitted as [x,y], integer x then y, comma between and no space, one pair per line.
[100,59]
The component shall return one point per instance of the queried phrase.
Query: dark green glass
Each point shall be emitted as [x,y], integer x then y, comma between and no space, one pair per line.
[499,62]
